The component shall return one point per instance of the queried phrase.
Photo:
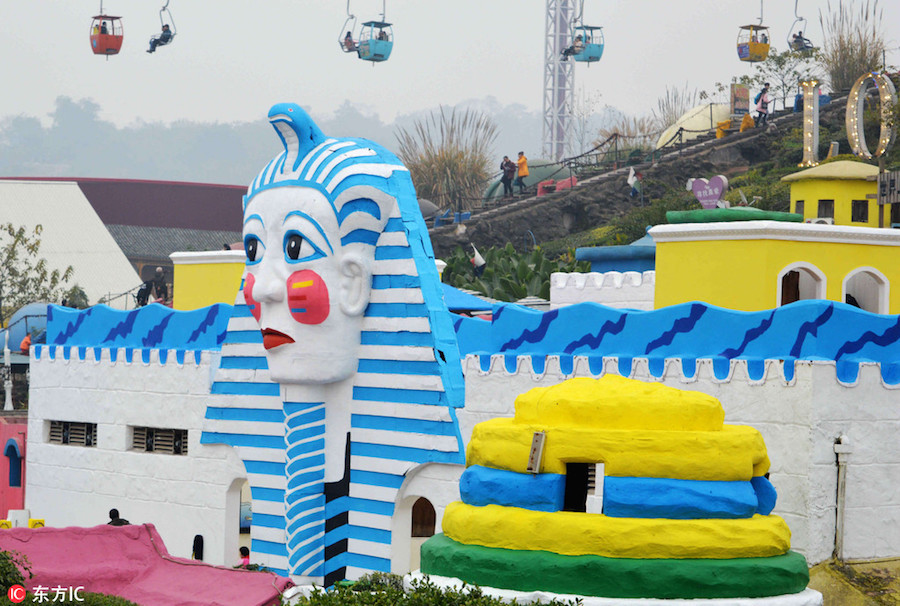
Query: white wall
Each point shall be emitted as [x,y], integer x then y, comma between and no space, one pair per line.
[622,290]
[799,420]
[182,496]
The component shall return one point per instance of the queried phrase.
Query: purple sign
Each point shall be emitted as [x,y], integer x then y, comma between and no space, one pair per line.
[709,192]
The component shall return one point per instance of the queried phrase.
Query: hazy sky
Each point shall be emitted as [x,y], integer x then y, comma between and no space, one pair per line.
[232,59]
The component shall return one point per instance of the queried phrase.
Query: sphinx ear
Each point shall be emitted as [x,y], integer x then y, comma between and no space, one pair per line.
[356,284]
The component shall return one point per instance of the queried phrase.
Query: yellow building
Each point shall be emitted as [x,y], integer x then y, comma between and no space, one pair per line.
[204,278]
[836,192]
[757,265]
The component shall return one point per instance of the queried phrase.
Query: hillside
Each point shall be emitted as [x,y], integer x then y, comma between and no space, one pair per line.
[771,152]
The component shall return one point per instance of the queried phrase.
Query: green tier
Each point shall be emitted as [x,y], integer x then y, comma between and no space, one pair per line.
[615,577]
[738,213]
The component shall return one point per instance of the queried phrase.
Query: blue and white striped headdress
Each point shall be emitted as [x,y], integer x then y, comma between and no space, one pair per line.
[354,175]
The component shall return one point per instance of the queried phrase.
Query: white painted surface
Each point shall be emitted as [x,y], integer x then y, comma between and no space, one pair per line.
[69,485]
[622,290]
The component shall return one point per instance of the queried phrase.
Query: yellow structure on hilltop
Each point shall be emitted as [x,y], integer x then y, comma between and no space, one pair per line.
[837,193]
[757,265]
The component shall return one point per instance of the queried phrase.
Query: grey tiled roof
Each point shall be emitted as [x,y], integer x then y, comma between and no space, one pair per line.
[157,243]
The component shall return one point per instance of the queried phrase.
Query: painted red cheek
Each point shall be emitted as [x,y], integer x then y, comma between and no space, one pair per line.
[252,303]
[307,297]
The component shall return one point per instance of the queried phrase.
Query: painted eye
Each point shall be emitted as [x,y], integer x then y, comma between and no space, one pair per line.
[298,248]
[253,248]
[293,244]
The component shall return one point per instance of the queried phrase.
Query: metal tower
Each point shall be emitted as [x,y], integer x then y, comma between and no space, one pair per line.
[559,80]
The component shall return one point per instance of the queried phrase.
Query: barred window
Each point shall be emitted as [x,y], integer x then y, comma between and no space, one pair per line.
[154,439]
[70,432]
[859,211]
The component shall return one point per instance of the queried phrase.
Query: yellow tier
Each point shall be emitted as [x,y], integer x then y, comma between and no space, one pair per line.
[573,533]
[614,402]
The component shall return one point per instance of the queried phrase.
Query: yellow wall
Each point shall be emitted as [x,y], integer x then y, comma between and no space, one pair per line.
[743,274]
[201,281]
[843,192]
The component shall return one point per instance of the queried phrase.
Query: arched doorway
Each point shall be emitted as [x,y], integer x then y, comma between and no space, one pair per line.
[422,527]
[868,289]
[800,282]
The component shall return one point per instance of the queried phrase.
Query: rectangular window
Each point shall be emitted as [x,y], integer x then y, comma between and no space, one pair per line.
[153,439]
[78,434]
[798,207]
[859,212]
[826,209]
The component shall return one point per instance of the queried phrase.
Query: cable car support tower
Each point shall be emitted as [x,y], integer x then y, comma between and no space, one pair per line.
[559,81]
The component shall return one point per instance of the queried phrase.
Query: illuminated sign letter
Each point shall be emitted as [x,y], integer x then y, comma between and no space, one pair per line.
[810,123]
[887,95]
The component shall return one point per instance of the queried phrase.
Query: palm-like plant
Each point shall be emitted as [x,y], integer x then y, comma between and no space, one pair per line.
[448,155]
[853,43]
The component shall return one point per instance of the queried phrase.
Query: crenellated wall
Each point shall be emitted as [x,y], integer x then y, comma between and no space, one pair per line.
[622,290]
[800,419]
[119,389]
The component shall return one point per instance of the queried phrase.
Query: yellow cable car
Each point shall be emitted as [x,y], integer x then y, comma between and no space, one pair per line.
[753,43]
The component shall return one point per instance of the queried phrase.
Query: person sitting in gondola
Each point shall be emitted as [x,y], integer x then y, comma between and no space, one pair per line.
[349,43]
[103,28]
[164,38]
[800,43]
[764,38]
[576,48]
[382,35]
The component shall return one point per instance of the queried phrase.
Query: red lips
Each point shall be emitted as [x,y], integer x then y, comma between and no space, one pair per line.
[273,338]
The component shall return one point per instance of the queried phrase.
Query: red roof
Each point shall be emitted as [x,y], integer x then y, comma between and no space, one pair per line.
[132,562]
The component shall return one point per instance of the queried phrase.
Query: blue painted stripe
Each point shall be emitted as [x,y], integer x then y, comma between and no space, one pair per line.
[243,336]
[338,534]
[240,439]
[359,560]
[267,494]
[395,281]
[631,497]
[399,367]
[267,520]
[409,339]
[264,468]
[375,535]
[371,506]
[434,428]
[235,388]
[376,478]
[305,418]
[400,396]
[395,224]
[245,414]
[244,362]
[405,453]
[241,311]
[385,253]
[307,447]
[299,480]
[260,546]
[397,310]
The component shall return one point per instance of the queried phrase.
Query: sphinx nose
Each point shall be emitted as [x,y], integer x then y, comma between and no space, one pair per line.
[268,288]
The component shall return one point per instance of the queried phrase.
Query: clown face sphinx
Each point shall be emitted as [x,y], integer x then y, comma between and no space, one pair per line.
[305,289]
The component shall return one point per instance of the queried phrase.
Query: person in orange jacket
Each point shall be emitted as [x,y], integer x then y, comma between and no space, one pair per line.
[25,345]
[522,163]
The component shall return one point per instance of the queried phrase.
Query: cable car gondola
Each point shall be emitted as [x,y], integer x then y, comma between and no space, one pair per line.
[376,41]
[346,41]
[587,40]
[753,40]
[167,36]
[106,34]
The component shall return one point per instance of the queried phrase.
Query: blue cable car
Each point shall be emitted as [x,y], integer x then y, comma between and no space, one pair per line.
[376,40]
[592,43]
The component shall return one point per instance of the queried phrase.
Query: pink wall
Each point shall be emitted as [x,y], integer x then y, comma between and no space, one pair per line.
[12,497]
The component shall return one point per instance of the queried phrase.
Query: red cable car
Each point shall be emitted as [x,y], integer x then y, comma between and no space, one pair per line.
[106,35]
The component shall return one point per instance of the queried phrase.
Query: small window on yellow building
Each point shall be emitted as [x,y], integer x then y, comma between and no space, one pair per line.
[826,209]
[798,207]
[859,211]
